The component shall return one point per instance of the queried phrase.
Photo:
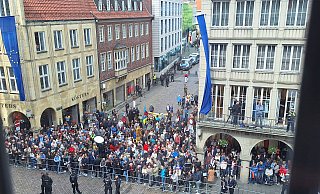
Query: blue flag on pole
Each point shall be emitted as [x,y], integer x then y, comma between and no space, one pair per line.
[207,100]
[10,41]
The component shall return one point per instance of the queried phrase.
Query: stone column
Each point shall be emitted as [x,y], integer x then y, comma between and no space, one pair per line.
[244,173]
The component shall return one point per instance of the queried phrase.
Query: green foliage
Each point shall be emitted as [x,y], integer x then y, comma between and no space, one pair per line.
[223,143]
[272,150]
[187,17]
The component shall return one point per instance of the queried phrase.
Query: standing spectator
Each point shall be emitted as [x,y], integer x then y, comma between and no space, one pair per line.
[118,184]
[224,186]
[74,182]
[259,114]
[232,184]
[46,185]
[186,78]
[179,100]
[291,120]
[149,84]
[211,175]
[236,110]
[107,185]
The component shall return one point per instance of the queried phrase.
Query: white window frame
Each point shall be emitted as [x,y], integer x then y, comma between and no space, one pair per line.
[123,7]
[3,81]
[129,5]
[124,31]
[297,15]
[87,36]
[217,100]
[265,57]
[116,5]
[244,17]
[74,38]
[5,10]
[147,50]
[269,13]
[239,94]
[137,52]
[133,53]
[135,6]
[244,48]
[108,5]
[290,58]
[89,66]
[57,38]
[109,60]
[121,59]
[61,73]
[220,13]
[41,40]
[101,34]
[218,55]
[76,69]
[130,30]
[147,29]
[117,31]
[140,6]
[262,95]
[290,102]
[100,5]
[44,77]
[141,29]
[142,51]
[103,57]
[136,30]
[109,32]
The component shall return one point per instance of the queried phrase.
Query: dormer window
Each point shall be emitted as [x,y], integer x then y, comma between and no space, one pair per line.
[116,6]
[108,5]
[123,6]
[129,5]
[140,5]
[100,5]
[135,6]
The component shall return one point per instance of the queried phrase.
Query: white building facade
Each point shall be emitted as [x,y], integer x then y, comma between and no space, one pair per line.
[256,54]
[167,33]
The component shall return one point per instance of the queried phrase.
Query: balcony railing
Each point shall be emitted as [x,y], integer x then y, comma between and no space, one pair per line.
[270,126]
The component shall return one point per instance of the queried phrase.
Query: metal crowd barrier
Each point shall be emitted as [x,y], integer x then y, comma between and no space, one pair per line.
[152,180]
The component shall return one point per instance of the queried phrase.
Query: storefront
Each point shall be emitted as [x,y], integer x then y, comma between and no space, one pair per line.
[130,88]
[120,95]
[89,106]
[108,101]
[71,114]
[146,78]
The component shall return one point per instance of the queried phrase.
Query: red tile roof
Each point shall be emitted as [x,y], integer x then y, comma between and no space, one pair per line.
[48,10]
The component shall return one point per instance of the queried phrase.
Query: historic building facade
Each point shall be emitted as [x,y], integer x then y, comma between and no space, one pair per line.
[59,64]
[124,41]
[256,56]
[167,33]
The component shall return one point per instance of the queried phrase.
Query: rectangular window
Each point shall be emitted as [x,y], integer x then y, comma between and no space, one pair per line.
[116,5]
[162,8]
[217,100]
[117,31]
[109,33]
[103,61]
[161,26]
[130,30]
[109,60]
[136,30]
[89,65]
[241,56]
[218,55]
[135,6]
[147,28]
[220,13]
[297,13]
[121,59]
[138,52]
[74,38]
[4,8]
[76,69]
[40,41]
[239,93]
[57,36]
[123,5]
[142,51]
[124,31]
[3,83]
[287,101]
[244,13]
[141,29]
[291,58]
[161,47]
[101,33]
[87,36]
[132,54]
[147,50]
[100,5]
[108,5]
[265,57]
[269,13]
[129,5]
[44,77]
[61,72]
[261,97]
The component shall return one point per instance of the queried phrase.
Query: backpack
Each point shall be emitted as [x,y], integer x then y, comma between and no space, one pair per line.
[46,182]
[72,178]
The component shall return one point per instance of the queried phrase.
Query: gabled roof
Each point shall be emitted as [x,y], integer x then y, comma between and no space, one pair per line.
[46,10]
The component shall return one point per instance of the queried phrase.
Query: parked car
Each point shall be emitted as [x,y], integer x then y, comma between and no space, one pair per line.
[192,61]
[195,56]
[172,52]
[185,64]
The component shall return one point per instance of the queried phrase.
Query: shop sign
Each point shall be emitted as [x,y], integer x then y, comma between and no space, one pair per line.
[11,106]
[76,97]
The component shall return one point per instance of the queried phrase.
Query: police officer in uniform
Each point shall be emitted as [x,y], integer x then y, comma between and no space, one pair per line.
[232,184]
[46,186]
[74,182]
[118,183]
[107,185]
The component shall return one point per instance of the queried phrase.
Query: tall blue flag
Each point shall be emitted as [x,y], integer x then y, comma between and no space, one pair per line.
[207,100]
[10,41]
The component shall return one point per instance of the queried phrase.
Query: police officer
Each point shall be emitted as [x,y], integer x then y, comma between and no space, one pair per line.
[118,183]
[232,184]
[46,185]
[107,185]
[74,182]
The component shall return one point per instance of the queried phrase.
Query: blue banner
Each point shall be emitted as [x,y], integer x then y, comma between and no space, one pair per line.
[207,99]
[10,41]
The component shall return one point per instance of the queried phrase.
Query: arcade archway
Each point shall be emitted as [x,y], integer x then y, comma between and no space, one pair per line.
[19,120]
[48,117]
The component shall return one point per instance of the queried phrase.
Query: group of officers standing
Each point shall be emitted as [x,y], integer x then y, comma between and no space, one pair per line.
[46,185]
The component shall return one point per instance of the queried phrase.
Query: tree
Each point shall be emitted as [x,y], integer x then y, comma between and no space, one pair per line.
[187,17]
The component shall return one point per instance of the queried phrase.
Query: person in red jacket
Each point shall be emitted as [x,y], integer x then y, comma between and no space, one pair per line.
[146,147]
